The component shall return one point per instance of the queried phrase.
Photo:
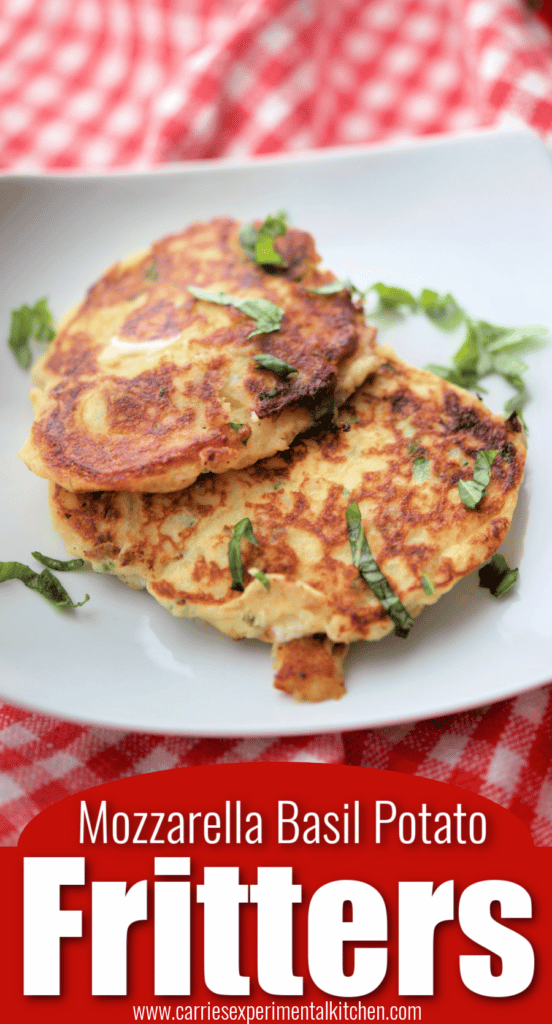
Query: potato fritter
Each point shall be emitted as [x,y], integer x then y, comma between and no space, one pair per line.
[145,387]
[403,442]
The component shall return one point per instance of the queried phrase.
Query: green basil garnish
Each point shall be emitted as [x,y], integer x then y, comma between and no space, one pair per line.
[54,563]
[332,287]
[497,577]
[392,298]
[368,568]
[472,491]
[44,583]
[486,348]
[442,310]
[30,322]
[269,362]
[243,529]
[267,316]
[258,243]
[262,578]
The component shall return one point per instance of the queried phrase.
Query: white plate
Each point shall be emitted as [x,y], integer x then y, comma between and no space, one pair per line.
[472,214]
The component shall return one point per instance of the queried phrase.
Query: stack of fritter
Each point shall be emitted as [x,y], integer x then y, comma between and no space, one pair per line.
[159,429]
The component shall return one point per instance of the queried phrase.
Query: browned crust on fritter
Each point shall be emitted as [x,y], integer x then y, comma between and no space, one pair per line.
[310,668]
[177,544]
[164,425]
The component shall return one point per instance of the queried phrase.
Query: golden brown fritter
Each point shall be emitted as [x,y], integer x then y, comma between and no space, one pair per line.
[145,386]
[310,668]
[404,441]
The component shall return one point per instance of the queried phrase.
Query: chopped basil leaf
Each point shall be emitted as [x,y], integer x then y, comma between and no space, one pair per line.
[44,583]
[267,316]
[442,310]
[420,470]
[241,530]
[482,466]
[248,239]
[337,286]
[54,563]
[428,585]
[265,313]
[30,322]
[259,575]
[486,348]
[489,349]
[497,577]
[278,485]
[472,491]
[368,568]
[391,298]
[152,272]
[269,362]
[258,243]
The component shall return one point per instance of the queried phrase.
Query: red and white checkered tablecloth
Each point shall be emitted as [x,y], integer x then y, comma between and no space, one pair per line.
[110,83]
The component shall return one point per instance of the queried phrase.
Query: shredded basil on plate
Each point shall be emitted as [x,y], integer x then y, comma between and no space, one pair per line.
[30,323]
[486,348]
[370,572]
[267,316]
[54,563]
[44,583]
[332,287]
[497,577]
[242,530]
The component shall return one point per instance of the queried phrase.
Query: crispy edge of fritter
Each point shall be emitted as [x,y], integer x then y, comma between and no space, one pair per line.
[276,434]
[310,668]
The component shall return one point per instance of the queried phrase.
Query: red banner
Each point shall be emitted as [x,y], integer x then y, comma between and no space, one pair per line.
[276,892]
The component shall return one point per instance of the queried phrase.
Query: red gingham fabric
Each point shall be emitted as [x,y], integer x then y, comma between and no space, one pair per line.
[109,83]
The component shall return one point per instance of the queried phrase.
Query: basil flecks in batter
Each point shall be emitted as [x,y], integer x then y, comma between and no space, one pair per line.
[258,243]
